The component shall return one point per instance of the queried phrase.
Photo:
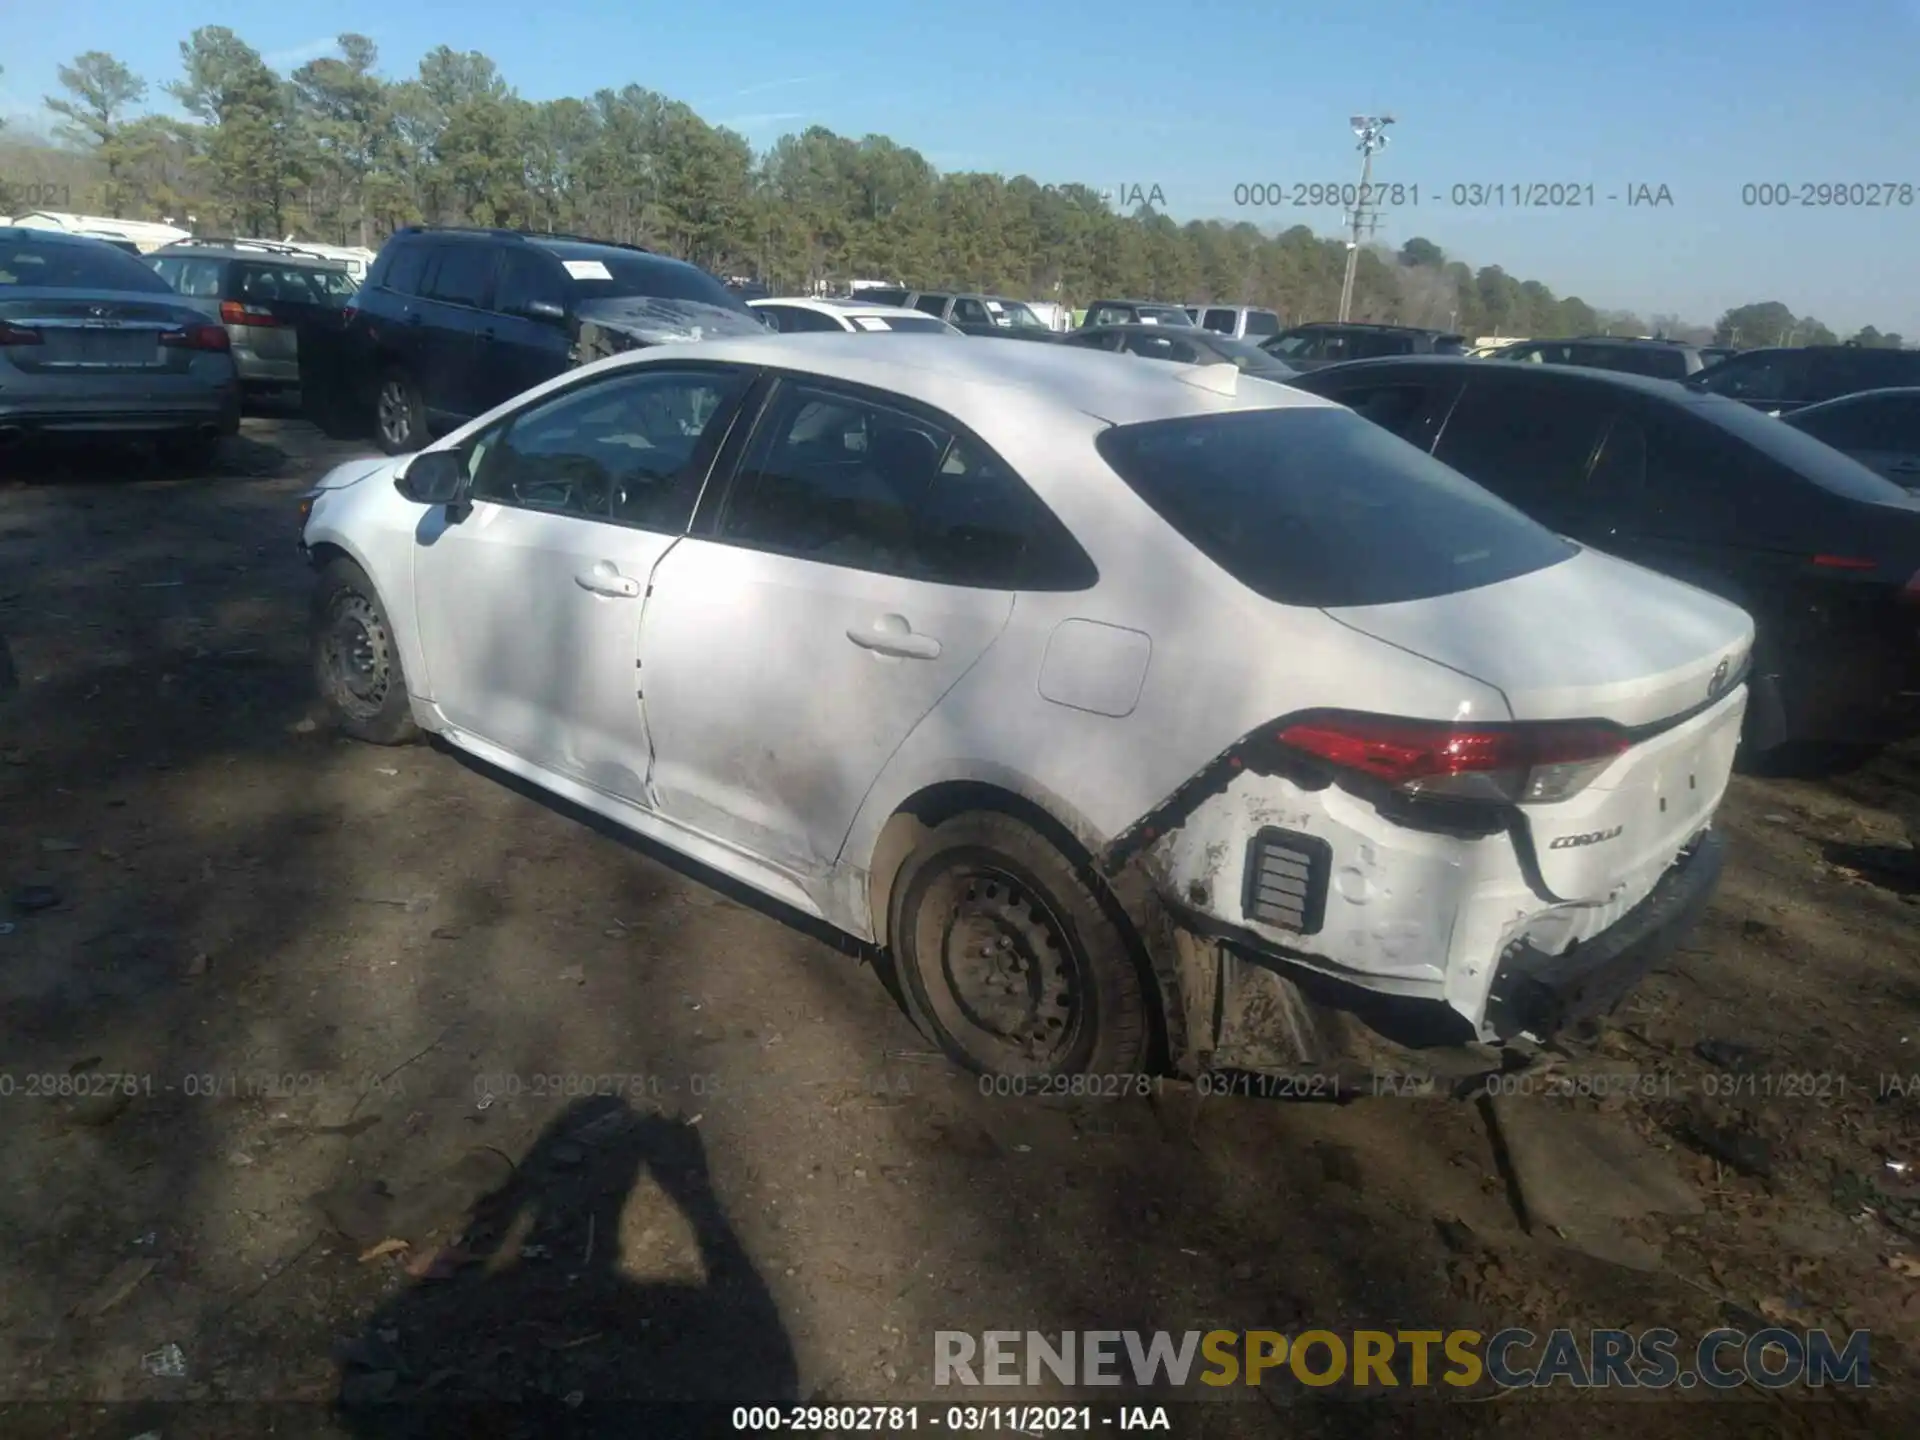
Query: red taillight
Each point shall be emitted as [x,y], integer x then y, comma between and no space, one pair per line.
[15,335]
[1524,763]
[198,337]
[1844,562]
[232,312]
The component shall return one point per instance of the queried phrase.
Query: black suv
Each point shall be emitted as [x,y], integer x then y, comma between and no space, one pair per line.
[452,322]
[1782,378]
[1329,342]
[1660,359]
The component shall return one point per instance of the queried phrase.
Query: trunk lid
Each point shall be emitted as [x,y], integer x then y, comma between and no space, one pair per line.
[100,332]
[1595,637]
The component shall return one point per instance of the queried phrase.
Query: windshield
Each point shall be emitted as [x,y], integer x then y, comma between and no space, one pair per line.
[1316,506]
[1244,354]
[1296,343]
[603,273]
[1800,452]
[75,265]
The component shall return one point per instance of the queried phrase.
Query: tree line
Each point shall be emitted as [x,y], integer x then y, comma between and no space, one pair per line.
[338,152]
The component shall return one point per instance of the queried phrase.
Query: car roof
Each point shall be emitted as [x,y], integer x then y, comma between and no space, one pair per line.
[598,250]
[1567,374]
[54,237]
[1222,305]
[1369,325]
[1155,304]
[251,252]
[931,369]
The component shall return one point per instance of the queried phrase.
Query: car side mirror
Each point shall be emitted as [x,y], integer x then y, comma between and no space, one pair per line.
[546,312]
[433,477]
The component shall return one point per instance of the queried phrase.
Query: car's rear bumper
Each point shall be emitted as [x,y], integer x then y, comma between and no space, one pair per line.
[1536,993]
[123,415]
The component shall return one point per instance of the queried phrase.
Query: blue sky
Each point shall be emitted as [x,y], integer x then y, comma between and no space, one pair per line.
[1200,96]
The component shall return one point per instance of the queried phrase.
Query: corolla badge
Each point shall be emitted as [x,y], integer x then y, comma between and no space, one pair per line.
[1719,681]
[1574,842]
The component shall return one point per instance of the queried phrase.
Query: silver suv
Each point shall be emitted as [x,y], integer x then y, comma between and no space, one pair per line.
[265,291]
[1237,322]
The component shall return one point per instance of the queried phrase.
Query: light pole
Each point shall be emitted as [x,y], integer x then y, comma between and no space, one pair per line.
[1372,133]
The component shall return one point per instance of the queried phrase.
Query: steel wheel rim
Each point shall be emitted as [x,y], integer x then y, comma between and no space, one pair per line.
[1010,974]
[396,414]
[357,656]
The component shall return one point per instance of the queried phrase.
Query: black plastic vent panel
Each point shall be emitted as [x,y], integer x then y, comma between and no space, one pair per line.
[1286,883]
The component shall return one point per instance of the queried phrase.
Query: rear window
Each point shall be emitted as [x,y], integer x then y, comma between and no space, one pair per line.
[73,265]
[1261,323]
[1319,507]
[1812,459]
[604,273]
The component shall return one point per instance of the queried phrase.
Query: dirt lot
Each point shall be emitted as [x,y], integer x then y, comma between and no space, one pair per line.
[355,989]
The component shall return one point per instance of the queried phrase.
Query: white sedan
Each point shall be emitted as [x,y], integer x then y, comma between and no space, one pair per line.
[799,315]
[1121,705]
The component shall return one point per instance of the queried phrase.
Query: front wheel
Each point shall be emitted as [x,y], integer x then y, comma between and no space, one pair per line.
[399,414]
[356,662]
[1009,960]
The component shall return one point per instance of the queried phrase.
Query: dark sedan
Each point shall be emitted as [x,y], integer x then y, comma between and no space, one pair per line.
[1191,346]
[1822,552]
[93,342]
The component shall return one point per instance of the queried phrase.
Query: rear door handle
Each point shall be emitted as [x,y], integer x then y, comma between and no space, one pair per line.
[893,635]
[605,579]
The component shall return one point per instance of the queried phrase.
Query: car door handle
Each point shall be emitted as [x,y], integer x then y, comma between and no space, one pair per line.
[604,579]
[892,635]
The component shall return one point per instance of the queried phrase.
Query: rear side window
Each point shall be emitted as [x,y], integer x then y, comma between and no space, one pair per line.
[1773,375]
[1319,507]
[65,265]
[1394,408]
[1219,320]
[198,278]
[275,282]
[1373,347]
[1530,444]
[460,274]
[404,272]
[932,304]
[1880,422]
[1262,323]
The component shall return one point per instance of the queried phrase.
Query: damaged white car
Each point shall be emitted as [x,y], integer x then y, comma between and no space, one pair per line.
[1142,714]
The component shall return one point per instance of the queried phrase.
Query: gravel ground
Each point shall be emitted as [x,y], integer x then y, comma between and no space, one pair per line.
[354,990]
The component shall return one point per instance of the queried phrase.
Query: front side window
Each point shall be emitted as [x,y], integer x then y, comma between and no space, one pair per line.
[527,280]
[633,449]
[1775,375]
[850,481]
[970,312]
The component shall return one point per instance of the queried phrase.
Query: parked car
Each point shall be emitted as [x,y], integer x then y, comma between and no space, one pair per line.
[1134,312]
[992,316]
[932,654]
[798,315]
[1327,342]
[1780,379]
[266,293]
[1821,551]
[1192,346]
[1662,359]
[452,322]
[93,342]
[1879,428]
[1714,354]
[1237,322]
[749,290]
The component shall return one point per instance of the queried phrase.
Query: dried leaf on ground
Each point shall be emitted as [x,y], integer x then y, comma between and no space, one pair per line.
[385,1247]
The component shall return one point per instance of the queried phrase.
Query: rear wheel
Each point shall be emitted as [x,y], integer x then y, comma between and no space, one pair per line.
[399,414]
[1009,960]
[356,663]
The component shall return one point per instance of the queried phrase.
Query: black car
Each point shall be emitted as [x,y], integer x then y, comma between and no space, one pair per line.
[992,316]
[1331,342]
[1879,428]
[1662,359]
[1714,354]
[1136,312]
[1191,346]
[1780,379]
[1822,552]
[452,322]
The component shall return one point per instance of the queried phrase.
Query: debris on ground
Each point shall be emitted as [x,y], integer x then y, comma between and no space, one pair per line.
[169,1362]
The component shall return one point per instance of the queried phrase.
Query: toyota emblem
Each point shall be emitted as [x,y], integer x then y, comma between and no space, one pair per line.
[1719,681]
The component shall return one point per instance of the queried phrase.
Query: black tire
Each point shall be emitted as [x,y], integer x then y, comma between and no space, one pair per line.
[356,663]
[399,414]
[1053,987]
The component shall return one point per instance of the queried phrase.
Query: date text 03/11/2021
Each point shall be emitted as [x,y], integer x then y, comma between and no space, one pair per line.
[1465,195]
[953,1419]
